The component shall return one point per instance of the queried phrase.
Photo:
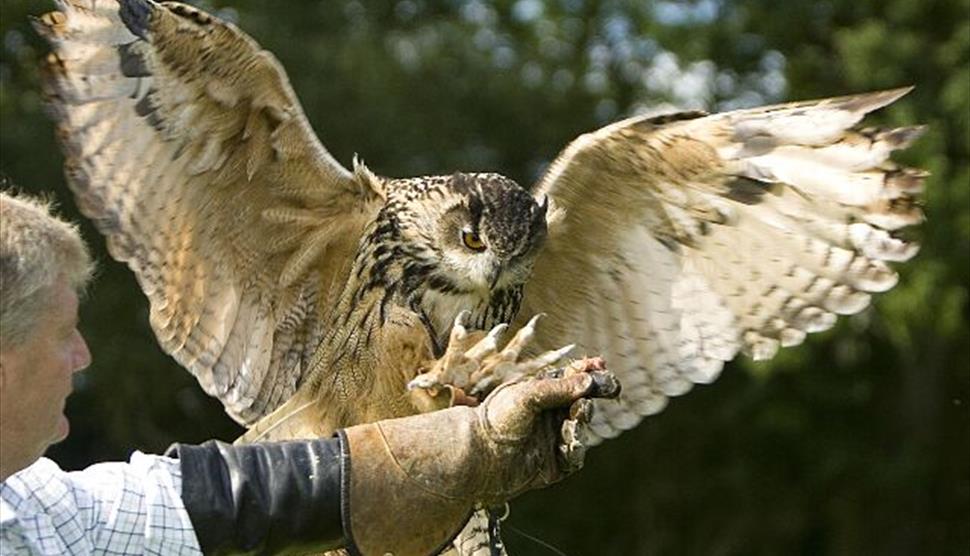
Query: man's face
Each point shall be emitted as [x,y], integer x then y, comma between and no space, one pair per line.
[35,380]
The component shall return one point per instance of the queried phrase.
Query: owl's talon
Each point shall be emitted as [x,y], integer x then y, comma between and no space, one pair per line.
[505,365]
[546,359]
[572,450]
[531,325]
[458,330]
[484,385]
[487,345]
[497,331]
[521,339]
[490,380]
[472,362]
[425,381]
[582,411]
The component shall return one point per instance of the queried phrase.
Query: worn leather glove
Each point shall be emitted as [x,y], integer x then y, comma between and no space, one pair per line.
[413,482]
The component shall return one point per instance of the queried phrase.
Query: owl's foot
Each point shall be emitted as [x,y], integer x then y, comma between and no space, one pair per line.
[473,362]
[572,450]
[457,363]
[503,366]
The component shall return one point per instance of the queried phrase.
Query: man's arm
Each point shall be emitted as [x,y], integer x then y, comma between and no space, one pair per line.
[402,485]
[264,497]
[119,508]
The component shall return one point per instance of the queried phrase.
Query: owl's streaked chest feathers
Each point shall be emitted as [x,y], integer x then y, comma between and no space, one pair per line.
[439,308]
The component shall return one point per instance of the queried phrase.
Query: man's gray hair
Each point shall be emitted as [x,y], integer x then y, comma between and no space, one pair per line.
[36,249]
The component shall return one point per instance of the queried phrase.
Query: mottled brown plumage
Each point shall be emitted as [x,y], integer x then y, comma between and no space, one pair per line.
[271,269]
[673,242]
[305,296]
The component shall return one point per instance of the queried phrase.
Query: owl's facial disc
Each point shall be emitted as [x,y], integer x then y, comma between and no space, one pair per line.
[490,238]
[465,254]
[474,242]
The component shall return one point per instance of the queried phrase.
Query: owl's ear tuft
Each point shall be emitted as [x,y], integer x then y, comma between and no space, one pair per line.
[368,180]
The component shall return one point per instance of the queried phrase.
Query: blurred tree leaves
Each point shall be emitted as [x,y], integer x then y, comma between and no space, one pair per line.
[855,443]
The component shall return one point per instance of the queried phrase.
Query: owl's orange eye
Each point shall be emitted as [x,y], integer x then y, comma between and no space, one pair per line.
[472,241]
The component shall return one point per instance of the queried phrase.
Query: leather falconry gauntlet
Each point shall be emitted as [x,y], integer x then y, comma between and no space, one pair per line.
[403,486]
[413,482]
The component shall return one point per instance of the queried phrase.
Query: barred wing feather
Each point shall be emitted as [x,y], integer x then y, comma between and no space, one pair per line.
[676,242]
[186,146]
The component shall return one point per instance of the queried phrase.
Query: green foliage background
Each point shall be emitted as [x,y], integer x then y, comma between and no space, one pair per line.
[855,443]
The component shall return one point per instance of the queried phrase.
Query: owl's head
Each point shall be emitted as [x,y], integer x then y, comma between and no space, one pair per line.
[473,232]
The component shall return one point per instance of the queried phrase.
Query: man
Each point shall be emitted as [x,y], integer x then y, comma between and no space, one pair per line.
[406,485]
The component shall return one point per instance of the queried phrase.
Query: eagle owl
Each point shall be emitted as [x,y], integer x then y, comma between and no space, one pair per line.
[306,296]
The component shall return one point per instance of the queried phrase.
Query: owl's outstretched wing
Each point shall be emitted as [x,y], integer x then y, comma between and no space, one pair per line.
[675,242]
[187,147]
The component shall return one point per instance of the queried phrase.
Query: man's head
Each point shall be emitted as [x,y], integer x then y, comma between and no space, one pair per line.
[44,264]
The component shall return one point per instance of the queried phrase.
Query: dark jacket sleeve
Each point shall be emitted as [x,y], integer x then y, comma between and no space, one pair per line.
[264,498]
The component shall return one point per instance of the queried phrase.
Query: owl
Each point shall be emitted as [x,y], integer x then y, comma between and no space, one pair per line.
[307,296]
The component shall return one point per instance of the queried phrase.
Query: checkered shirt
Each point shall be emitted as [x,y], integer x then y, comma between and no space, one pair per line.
[108,508]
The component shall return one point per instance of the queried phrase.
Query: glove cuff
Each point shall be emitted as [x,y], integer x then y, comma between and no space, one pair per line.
[264,497]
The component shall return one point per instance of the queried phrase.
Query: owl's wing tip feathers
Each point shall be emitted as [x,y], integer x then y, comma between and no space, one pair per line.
[225,163]
[668,270]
